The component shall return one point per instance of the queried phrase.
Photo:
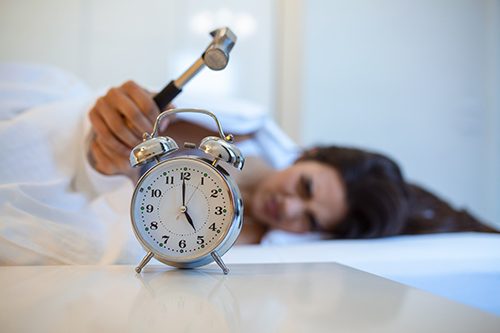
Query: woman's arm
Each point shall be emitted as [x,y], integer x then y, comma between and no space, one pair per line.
[183,131]
[119,119]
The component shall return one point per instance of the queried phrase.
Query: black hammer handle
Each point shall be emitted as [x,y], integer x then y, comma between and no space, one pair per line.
[166,95]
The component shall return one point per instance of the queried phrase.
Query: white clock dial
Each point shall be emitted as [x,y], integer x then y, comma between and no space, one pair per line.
[182,209]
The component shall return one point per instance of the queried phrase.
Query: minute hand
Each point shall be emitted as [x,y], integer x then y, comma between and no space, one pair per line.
[183,192]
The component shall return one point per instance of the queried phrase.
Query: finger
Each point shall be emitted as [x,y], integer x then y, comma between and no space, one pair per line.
[112,144]
[105,136]
[109,161]
[96,120]
[95,117]
[120,162]
[164,124]
[137,132]
[129,110]
[116,125]
[167,121]
[143,99]
[102,163]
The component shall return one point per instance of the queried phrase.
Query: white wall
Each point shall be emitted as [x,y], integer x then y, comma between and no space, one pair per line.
[150,41]
[417,80]
[493,64]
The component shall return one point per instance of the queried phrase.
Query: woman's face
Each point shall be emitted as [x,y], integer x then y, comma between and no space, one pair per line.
[308,196]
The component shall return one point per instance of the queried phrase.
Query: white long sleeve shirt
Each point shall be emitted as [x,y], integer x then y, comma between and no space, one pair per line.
[54,207]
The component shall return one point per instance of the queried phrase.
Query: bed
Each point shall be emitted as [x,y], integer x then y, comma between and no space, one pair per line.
[66,213]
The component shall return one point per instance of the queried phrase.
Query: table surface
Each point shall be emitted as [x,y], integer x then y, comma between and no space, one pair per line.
[310,297]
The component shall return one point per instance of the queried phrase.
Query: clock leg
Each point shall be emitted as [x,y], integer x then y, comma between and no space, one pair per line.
[143,262]
[219,262]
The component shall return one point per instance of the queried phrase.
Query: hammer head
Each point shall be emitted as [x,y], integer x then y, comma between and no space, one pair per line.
[216,56]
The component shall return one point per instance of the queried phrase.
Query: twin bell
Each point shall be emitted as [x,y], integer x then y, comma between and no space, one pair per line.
[154,147]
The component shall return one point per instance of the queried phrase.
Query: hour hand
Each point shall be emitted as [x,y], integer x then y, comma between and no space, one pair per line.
[190,220]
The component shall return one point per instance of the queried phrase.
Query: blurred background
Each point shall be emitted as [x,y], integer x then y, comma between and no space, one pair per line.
[417,80]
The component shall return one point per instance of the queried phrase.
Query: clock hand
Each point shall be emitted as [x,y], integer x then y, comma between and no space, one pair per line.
[190,220]
[183,192]
[192,193]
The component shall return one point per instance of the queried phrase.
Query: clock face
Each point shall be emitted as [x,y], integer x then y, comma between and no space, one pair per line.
[182,209]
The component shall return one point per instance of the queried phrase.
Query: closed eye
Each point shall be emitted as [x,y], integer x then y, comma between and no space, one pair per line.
[306,186]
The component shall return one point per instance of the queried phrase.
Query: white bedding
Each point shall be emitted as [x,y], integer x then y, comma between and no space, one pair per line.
[54,207]
[66,213]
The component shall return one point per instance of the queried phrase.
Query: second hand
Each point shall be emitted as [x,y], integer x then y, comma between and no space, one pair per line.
[195,189]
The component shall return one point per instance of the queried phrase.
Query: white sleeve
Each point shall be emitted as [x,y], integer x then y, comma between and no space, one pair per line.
[54,208]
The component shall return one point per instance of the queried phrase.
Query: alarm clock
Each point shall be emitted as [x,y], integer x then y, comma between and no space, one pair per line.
[186,210]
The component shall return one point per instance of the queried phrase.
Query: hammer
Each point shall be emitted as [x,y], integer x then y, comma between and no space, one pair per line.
[215,57]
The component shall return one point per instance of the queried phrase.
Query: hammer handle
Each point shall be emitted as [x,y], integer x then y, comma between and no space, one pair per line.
[166,95]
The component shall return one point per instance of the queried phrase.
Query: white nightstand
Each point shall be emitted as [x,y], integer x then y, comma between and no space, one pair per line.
[323,297]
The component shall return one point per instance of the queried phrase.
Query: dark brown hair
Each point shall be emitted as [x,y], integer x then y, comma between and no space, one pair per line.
[381,203]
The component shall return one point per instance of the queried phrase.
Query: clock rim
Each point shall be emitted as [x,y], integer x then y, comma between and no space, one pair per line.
[226,241]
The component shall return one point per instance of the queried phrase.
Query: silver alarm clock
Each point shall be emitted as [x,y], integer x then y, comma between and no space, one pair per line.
[186,211]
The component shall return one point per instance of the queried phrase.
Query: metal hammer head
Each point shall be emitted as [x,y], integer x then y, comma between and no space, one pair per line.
[216,56]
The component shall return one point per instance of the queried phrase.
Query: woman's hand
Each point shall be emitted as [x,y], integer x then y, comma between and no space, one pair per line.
[118,121]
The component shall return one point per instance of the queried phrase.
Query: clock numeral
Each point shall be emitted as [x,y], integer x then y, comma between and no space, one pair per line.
[155,193]
[185,175]
[149,208]
[169,180]
[166,239]
[182,243]
[200,240]
[212,227]
[218,210]
[202,180]
[214,194]
[154,225]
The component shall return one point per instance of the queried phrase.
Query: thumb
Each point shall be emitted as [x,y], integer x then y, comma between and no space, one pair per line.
[164,124]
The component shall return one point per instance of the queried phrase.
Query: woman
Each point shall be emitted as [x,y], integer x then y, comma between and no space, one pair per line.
[345,192]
